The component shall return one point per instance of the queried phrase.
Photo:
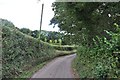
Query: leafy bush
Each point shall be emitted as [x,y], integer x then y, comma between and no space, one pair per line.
[102,60]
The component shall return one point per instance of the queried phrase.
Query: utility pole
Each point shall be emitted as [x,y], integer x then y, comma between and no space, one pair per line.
[41,20]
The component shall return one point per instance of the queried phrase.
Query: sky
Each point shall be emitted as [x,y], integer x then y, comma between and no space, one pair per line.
[27,13]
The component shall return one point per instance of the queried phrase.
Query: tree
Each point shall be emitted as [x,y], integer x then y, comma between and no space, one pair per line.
[86,20]
[35,33]
[25,31]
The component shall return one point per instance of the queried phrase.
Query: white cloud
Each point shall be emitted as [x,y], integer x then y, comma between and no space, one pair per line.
[26,13]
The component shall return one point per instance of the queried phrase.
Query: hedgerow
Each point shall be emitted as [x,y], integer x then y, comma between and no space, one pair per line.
[21,52]
[64,47]
[102,60]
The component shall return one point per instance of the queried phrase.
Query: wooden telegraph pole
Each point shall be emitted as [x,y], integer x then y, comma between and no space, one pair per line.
[41,21]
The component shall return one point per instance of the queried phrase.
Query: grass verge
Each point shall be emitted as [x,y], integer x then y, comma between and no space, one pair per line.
[28,74]
[74,69]
[62,53]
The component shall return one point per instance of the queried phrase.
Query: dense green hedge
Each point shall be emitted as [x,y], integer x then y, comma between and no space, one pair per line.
[102,60]
[21,52]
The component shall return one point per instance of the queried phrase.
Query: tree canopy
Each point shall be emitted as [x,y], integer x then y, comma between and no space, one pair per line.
[86,20]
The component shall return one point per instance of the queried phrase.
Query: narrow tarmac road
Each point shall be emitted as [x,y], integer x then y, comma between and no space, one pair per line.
[57,68]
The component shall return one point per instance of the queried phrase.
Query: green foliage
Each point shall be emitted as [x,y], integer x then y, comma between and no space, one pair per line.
[102,60]
[25,31]
[65,47]
[63,53]
[55,41]
[44,36]
[21,52]
[29,73]
[35,34]
[60,41]
[4,23]
[79,23]
[45,40]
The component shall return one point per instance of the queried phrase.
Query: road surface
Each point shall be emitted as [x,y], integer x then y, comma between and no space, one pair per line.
[57,68]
